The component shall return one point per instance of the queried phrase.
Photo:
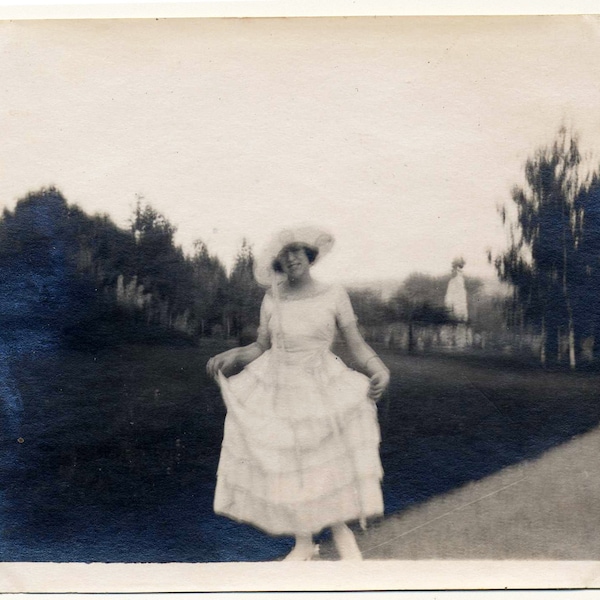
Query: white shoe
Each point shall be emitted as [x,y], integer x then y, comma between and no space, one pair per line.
[303,552]
[350,552]
[346,544]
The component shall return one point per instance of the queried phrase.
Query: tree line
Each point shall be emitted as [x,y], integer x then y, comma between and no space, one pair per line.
[418,298]
[88,270]
[553,258]
[84,269]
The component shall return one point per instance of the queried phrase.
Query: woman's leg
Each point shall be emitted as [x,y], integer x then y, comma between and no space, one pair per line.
[303,550]
[345,542]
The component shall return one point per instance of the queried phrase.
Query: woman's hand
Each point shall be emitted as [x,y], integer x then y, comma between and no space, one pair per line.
[222,362]
[378,384]
[234,358]
[372,365]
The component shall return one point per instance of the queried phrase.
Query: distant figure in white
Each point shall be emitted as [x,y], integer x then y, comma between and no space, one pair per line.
[456,294]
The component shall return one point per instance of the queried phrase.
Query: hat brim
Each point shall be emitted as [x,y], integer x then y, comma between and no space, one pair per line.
[314,237]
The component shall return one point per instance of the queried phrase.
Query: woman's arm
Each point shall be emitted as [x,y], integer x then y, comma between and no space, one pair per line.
[237,357]
[368,360]
[240,357]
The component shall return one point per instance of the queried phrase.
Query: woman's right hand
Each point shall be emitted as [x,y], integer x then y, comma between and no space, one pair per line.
[222,362]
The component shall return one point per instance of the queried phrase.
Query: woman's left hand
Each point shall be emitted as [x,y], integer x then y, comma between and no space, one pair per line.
[378,384]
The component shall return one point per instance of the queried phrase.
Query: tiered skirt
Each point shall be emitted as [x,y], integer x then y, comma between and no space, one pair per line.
[300,448]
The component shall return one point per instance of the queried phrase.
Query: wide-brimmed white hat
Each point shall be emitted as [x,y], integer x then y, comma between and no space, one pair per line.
[307,235]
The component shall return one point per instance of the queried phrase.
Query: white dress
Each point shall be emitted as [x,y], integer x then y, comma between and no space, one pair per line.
[300,448]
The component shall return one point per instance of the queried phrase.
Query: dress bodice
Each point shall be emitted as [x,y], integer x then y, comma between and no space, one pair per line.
[303,328]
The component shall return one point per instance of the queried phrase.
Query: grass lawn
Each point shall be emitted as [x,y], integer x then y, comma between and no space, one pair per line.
[120,446]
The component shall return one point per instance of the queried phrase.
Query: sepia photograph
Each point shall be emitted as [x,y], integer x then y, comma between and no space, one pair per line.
[320,291]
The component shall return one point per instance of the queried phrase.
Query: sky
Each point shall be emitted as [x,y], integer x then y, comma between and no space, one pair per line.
[400,135]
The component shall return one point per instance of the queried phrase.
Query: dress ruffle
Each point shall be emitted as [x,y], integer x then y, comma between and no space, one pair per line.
[301,445]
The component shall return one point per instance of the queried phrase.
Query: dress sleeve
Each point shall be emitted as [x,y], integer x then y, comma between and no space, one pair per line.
[266,309]
[344,313]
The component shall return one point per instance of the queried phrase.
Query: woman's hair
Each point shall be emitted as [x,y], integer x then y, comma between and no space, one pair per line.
[311,254]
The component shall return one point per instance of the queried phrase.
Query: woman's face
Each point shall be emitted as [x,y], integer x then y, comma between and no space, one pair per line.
[293,261]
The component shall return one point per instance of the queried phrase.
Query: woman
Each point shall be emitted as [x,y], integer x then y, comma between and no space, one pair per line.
[301,444]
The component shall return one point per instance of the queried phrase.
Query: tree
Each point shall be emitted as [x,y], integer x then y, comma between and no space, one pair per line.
[543,263]
[586,273]
[210,287]
[160,266]
[244,294]
[421,297]
[370,309]
[420,288]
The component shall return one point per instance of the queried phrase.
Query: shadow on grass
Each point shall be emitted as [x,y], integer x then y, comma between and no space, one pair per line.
[120,446]
[450,419]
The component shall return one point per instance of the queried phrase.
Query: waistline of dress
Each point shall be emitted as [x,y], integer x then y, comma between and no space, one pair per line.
[305,359]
